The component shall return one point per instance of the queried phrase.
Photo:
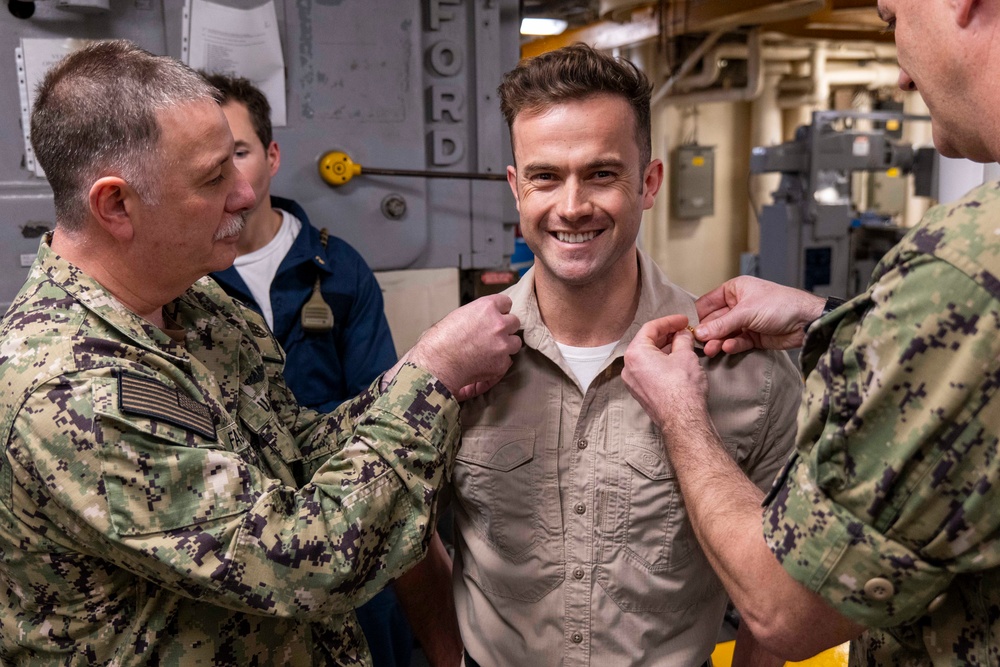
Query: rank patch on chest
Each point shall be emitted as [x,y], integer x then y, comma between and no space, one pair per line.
[151,398]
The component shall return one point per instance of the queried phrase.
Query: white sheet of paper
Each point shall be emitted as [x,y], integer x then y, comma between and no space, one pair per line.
[414,299]
[240,42]
[35,57]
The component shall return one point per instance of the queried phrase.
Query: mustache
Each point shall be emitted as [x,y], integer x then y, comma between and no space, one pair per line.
[232,227]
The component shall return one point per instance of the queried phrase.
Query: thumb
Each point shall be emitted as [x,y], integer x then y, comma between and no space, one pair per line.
[659,331]
[722,325]
[683,342]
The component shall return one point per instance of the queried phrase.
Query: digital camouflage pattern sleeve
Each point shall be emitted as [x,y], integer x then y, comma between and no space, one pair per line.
[164,501]
[889,508]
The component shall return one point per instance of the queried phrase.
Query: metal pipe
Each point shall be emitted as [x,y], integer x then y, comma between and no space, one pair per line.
[475,176]
[687,66]
[755,80]
[337,168]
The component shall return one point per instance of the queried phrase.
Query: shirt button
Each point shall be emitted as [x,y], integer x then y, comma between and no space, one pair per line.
[581,443]
[580,508]
[577,638]
[578,573]
[936,603]
[879,589]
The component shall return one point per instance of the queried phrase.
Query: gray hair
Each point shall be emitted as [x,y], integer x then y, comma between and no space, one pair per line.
[96,114]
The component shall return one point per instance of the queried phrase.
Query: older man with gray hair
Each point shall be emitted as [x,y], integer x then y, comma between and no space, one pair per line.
[163,498]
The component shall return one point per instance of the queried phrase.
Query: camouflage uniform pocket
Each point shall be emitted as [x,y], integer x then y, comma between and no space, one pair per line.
[160,476]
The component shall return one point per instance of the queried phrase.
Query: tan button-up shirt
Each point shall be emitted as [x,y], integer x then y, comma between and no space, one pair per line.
[573,545]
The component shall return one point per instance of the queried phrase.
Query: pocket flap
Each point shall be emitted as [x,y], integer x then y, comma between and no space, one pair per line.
[646,460]
[500,449]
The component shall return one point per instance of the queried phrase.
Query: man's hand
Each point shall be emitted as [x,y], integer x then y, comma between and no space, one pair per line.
[471,348]
[662,371]
[746,312]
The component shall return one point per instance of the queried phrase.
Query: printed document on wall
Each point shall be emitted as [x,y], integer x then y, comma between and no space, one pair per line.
[240,42]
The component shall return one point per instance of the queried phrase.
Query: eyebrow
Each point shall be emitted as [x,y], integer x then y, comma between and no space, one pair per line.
[595,165]
[609,162]
[535,167]
[210,168]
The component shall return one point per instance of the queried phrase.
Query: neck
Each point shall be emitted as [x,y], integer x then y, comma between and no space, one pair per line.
[589,315]
[262,225]
[112,271]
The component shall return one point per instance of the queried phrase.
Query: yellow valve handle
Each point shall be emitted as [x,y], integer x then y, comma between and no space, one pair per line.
[337,168]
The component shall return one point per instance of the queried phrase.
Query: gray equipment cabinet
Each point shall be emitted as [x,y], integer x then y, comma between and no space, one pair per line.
[811,235]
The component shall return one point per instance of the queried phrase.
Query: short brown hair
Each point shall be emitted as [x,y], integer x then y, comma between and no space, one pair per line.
[96,111]
[575,73]
[239,89]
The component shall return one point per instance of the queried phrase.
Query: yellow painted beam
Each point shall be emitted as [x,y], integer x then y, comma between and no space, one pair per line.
[837,656]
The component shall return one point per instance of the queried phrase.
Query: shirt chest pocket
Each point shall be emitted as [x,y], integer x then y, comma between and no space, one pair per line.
[657,532]
[497,482]
[160,476]
[651,561]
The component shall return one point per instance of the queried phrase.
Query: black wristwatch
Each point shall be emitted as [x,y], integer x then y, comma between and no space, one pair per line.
[832,303]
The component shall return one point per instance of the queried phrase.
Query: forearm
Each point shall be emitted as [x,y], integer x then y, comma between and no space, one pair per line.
[725,509]
[750,653]
[723,506]
[425,593]
[226,530]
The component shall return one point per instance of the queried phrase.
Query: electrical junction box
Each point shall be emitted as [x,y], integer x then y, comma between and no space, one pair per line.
[692,191]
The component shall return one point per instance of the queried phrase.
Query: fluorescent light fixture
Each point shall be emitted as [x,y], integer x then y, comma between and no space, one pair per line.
[542,26]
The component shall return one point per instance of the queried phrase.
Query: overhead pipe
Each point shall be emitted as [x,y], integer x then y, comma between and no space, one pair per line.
[755,81]
[872,76]
[711,66]
[802,91]
[687,65]
[821,91]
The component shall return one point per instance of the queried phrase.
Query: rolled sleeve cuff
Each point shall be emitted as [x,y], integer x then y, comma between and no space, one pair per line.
[425,405]
[861,572]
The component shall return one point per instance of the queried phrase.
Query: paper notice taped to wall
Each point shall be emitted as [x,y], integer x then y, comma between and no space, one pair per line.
[237,42]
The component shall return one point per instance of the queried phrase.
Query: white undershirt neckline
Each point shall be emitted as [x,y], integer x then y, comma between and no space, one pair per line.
[258,268]
[586,362]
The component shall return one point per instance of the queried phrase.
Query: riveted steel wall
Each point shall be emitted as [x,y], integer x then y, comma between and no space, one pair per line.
[396,84]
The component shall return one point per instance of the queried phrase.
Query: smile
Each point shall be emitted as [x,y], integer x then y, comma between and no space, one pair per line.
[576,238]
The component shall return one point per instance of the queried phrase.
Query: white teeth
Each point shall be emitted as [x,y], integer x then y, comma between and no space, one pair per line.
[575,238]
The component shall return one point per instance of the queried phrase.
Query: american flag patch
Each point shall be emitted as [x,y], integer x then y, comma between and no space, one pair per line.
[150,398]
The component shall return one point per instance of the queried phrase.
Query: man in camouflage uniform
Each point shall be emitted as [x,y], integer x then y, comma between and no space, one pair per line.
[886,516]
[163,499]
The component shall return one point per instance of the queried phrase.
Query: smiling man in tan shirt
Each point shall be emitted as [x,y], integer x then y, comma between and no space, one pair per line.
[572,543]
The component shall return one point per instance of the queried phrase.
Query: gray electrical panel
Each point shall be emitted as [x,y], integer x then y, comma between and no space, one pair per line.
[692,190]
[395,85]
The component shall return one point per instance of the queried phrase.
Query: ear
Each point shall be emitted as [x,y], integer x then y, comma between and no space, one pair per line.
[651,182]
[512,182]
[110,199]
[273,157]
[964,11]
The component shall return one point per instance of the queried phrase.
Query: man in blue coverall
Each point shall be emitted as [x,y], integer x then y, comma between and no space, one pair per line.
[332,356]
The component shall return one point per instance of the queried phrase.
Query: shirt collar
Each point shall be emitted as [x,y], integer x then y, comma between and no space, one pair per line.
[658,297]
[99,301]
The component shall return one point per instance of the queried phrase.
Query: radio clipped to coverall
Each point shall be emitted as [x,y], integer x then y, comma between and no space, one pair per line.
[316,314]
